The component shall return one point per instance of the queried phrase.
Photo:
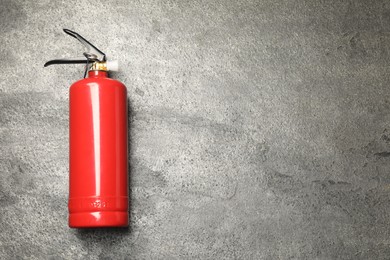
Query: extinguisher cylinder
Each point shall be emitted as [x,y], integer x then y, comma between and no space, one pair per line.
[98,187]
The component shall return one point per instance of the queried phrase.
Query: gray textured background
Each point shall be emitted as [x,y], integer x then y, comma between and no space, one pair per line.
[259,129]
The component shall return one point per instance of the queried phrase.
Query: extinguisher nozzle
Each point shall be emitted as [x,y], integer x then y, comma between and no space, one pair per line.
[112,65]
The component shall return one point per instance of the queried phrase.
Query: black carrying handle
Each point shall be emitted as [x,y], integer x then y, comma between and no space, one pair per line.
[90,47]
[65,61]
[92,51]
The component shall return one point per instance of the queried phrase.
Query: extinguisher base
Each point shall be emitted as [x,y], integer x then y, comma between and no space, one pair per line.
[99,219]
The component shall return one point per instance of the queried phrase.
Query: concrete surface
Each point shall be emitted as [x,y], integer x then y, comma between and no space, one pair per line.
[259,129]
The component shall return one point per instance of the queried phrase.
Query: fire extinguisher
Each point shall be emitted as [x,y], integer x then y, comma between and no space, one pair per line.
[98,178]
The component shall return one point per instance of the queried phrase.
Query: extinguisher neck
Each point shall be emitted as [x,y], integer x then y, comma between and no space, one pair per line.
[97,74]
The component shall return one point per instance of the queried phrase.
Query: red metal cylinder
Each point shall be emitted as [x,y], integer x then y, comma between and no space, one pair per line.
[98,186]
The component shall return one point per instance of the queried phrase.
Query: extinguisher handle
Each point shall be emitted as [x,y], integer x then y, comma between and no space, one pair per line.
[91,49]
[91,54]
[66,61]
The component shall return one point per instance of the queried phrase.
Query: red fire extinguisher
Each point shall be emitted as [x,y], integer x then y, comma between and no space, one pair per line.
[98,182]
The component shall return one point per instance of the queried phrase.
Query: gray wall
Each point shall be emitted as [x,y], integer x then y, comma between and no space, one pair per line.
[259,129]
